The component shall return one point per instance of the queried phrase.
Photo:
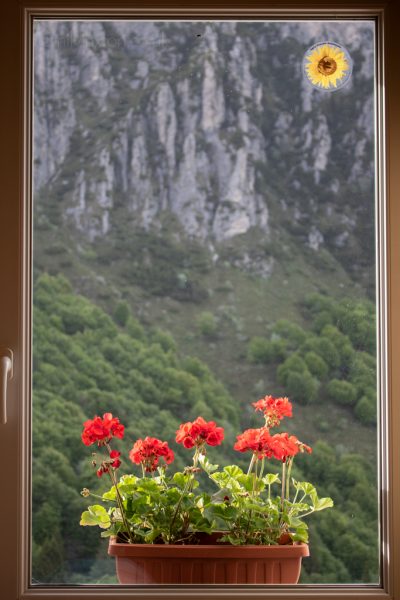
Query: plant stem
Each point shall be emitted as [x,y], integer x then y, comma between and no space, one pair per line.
[120,504]
[255,480]
[253,493]
[101,497]
[113,478]
[253,458]
[283,486]
[262,468]
[307,513]
[290,463]
[185,490]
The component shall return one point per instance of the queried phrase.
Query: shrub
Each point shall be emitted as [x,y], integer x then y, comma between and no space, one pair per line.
[302,387]
[324,348]
[259,350]
[316,303]
[328,352]
[340,341]
[359,326]
[316,365]
[207,324]
[134,329]
[293,364]
[324,318]
[365,410]
[292,333]
[341,391]
[278,350]
[165,340]
[363,372]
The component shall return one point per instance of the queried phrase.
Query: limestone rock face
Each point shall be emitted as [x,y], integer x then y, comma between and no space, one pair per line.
[198,122]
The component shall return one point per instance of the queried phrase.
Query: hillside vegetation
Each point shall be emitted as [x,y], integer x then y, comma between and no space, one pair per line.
[87,362]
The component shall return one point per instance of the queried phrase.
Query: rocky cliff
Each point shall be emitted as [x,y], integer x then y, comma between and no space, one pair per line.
[213,123]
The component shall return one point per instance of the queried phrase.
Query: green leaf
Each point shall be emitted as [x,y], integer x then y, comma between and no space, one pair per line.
[226,479]
[220,479]
[180,479]
[222,511]
[127,484]
[298,507]
[110,495]
[152,535]
[128,479]
[271,478]
[300,535]
[260,508]
[305,487]
[294,521]
[170,497]
[148,485]
[95,515]
[233,471]
[251,482]
[203,525]
[107,533]
[206,465]
[231,539]
[323,503]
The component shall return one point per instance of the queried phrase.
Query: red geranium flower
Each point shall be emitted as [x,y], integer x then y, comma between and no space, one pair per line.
[147,452]
[254,440]
[198,433]
[283,446]
[274,409]
[280,446]
[101,430]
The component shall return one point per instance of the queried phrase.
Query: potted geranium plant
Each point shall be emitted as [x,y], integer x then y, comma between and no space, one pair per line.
[164,529]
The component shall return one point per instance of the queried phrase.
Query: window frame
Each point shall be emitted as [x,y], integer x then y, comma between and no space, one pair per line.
[15,311]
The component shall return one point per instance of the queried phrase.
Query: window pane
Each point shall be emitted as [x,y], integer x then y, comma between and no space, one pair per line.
[204,236]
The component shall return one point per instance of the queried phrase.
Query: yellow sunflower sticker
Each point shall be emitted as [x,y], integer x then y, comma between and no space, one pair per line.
[327,66]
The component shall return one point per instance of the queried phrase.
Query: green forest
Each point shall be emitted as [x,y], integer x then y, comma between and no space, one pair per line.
[87,362]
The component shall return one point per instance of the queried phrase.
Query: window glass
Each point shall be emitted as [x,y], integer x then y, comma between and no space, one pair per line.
[204,236]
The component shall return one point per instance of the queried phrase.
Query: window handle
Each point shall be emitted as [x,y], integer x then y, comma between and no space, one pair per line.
[6,372]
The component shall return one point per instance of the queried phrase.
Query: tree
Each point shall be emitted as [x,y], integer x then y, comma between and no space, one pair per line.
[121,313]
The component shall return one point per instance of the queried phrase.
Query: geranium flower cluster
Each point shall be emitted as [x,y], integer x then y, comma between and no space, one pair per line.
[198,433]
[274,409]
[102,430]
[148,452]
[264,445]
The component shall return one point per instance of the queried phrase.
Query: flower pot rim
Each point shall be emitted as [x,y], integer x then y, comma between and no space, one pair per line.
[123,549]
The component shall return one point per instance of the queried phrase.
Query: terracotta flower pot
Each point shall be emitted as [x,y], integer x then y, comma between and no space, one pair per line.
[215,563]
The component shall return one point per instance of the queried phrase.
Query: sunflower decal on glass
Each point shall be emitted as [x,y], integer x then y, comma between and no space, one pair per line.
[327,66]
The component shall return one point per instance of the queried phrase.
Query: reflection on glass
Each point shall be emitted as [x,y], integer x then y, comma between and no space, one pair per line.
[203,236]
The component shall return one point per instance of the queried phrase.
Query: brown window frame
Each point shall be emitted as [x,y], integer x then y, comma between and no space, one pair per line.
[15,250]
